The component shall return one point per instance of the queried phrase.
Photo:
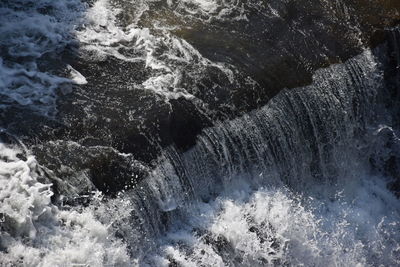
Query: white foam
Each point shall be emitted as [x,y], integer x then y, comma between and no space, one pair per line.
[34,232]
[208,10]
[27,86]
[27,34]
[355,223]
[166,56]
[359,226]
[76,76]
[273,225]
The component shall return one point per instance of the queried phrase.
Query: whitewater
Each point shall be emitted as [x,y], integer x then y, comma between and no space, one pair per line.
[300,181]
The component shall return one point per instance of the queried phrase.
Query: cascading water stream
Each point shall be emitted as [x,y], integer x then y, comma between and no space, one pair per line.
[308,179]
[306,154]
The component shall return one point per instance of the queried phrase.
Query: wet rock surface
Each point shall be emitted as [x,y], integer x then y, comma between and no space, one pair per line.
[279,45]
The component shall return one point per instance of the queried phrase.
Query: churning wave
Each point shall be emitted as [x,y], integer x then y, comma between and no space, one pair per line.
[30,31]
[289,184]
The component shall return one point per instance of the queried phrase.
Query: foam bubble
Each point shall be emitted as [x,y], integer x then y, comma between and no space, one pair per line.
[274,226]
[166,56]
[34,232]
[32,31]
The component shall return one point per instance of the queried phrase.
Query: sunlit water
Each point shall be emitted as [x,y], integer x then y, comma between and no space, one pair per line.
[289,184]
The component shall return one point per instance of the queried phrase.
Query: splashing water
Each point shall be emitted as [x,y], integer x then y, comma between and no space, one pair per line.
[275,227]
[289,184]
[30,33]
[168,58]
[34,232]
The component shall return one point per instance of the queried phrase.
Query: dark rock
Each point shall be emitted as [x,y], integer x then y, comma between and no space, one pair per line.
[78,170]
[112,114]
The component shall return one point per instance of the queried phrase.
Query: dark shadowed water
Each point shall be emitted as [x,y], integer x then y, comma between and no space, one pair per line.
[199,133]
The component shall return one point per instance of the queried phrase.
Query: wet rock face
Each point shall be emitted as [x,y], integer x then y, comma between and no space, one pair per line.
[80,170]
[267,46]
[376,14]
[281,43]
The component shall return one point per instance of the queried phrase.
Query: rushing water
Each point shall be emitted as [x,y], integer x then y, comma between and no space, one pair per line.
[308,179]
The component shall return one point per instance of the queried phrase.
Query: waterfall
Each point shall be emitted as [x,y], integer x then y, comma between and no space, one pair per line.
[307,152]
[274,169]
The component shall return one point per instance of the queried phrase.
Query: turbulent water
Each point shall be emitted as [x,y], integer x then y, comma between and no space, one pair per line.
[306,179]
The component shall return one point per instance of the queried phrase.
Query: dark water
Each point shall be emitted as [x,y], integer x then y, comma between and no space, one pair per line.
[199,133]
